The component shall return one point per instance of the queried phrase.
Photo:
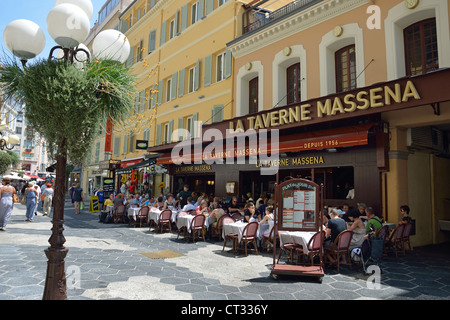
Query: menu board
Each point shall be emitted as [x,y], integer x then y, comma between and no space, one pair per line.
[298,202]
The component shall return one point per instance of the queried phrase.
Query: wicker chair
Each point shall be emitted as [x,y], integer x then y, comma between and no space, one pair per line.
[395,242]
[314,247]
[165,219]
[197,225]
[119,213]
[142,215]
[249,235]
[340,247]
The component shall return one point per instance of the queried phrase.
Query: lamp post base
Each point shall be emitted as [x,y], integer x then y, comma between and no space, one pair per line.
[55,283]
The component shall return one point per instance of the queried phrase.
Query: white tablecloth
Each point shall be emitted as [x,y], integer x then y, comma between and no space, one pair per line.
[186,220]
[237,228]
[155,213]
[132,213]
[298,237]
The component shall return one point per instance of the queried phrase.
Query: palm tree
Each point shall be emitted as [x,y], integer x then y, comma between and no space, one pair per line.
[65,104]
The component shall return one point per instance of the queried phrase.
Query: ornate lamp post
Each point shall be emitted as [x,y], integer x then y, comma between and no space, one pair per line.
[68,24]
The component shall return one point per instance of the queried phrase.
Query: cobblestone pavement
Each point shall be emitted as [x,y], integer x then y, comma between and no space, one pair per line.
[105,261]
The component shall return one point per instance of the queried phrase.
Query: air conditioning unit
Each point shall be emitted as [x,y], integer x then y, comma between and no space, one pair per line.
[425,138]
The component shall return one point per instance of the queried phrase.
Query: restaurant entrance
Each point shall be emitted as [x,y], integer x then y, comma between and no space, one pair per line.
[338,181]
[199,183]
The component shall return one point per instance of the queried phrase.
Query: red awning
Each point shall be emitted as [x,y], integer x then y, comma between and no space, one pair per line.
[323,139]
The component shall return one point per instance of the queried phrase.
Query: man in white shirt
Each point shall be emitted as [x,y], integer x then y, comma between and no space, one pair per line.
[189,205]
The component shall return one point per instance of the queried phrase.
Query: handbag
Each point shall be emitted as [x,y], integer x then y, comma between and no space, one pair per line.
[15,198]
[81,205]
[24,199]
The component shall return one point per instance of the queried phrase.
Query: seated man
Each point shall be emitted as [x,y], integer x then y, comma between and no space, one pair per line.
[189,205]
[375,223]
[334,227]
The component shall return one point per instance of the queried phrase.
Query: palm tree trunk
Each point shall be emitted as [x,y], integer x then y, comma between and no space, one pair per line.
[55,282]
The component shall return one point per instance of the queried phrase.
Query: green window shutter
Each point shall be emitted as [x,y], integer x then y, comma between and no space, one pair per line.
[181,80]
[152,41]
[139,14]
[177,22]
[132,142]
[197,76]
[184,18]
[158,134]
[126,139]
[217,113]
[228,63]
[173,92]
[130,60]
[153,97]
[97,152]
[141,101]
[152,3]
[195,125]
[160,92]
[116,146]
[180,128]
[201,9]
[209,6]
[169,140]
[123,26]
[208,70]
[163,33]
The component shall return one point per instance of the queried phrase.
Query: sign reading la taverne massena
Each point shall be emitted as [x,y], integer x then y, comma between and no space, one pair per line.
[364,100]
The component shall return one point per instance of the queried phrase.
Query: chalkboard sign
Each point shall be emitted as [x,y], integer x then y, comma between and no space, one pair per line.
[298,205]
[94,205]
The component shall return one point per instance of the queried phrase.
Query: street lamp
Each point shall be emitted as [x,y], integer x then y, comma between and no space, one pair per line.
[7,142]
[68,25]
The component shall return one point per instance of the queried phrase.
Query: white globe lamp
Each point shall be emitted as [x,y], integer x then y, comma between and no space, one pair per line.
[111,45]
[24,38]
[85,5]
[68,25]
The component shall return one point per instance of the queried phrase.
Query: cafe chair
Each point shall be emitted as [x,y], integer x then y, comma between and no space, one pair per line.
[197,225]
[383,233]
[216,228]
[340,247]
[406,234]
[249,235]
[288,248]
[165,220]
[191,212]
[233,237]
[395,242]
[314,246]
[119,213]
[142,216]
[267,238]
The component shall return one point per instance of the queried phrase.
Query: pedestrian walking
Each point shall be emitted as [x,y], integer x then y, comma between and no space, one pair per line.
[6,202]
[32,197]
[48,198]
[78,198]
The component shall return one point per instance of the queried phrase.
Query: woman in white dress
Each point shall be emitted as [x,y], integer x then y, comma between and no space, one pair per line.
[358,228]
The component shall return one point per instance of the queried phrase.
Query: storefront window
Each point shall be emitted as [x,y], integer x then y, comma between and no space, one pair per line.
[253,96]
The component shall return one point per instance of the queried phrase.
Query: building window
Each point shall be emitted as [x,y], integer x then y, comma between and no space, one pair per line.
[189,128]
[169,90]
[172,30]
[220,72]
[253,96]
[194,13]
[192,76]
[293,84]
[421,50]
[345,62]
[221,2]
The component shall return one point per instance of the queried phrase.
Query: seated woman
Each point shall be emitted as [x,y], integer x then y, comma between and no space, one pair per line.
[268,216]
[203,208]
[358,228]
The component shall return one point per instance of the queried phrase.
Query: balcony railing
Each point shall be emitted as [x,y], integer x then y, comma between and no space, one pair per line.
[257,18]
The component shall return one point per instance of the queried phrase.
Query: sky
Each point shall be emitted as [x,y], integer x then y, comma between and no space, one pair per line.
[36,11]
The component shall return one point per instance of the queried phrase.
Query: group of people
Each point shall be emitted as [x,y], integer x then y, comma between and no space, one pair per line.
[31,194]
[361,221]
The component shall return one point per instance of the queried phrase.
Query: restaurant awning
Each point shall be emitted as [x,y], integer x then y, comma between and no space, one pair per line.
[322,139]
[128,169]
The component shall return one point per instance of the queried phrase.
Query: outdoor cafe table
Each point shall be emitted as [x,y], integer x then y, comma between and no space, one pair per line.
[236,228]
[132,213]
[184,220]
[297,237]
[155,213]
